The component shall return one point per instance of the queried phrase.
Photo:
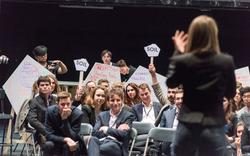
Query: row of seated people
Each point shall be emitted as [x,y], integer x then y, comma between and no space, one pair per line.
[95,102]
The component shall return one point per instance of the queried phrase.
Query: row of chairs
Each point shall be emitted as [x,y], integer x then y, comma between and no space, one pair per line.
[147,130]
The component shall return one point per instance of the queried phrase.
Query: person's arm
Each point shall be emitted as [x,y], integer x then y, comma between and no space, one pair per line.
[230,79]
[121,134]
[51,133]
[62,67]
[156,86]
[72,128]
[163,121]
[33,118]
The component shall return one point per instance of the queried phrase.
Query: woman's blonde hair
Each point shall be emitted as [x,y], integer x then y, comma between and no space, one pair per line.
[203,35]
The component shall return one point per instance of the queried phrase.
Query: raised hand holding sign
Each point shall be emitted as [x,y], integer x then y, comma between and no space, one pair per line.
[152,51]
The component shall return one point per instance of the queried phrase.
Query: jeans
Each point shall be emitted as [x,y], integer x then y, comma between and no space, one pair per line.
[198,140]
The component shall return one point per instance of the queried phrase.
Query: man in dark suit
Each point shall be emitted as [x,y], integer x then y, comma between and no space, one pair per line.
[207,75]
[169,117]
[38,106]
[63,122]
[113,127]
[147,110]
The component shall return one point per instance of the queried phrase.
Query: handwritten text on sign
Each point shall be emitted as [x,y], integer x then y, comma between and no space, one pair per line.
[103,71]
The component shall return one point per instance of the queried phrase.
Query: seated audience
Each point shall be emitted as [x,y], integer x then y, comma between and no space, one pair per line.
[63,122]
[38,106]
[94,106]
[113,127]
[90,85]
[147,110]
[132,94]
[104,83]
[126,71]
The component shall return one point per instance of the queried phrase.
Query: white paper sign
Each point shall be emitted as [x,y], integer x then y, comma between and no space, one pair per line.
[152,50]
[81,64]
[18,87]
[142,75]
[243,76]
[104,71]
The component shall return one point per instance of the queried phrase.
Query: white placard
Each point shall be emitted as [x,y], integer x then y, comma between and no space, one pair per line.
[104,71]
[18,87]
[142,75]
[81,64]
[243,76]
[152,50]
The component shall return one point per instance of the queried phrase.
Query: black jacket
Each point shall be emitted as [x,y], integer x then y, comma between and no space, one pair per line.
[206,78]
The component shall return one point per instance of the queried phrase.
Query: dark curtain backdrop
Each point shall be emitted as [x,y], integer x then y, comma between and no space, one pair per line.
[83,33]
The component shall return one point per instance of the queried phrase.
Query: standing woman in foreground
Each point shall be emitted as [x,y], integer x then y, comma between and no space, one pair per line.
[207,75]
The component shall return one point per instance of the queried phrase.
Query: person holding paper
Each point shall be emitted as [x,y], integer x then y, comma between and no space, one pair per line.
[126,71]
[207,75]
[55,66]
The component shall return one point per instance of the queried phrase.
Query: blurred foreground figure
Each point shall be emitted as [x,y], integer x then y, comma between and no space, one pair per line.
[207,75]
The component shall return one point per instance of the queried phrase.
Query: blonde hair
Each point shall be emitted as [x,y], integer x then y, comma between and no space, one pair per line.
[203,35]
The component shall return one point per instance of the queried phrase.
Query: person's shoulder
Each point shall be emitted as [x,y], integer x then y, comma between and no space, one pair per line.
[86,108]
[52,108]
[224,56]
[136,106]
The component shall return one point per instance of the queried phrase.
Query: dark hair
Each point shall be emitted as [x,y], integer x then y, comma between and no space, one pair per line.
[244,90]
[40,50]
[106,51]
[63,95]
[121,63]
[128,101]
[43,79]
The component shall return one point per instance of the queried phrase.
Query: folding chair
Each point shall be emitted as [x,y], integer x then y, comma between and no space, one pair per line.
[133,135]
[86,130]
[159,134]
[142,129]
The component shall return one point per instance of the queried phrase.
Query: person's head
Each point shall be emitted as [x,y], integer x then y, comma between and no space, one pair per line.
[40,53]
[178,98]
[64,100]
[55,88]
[99,96]
[171,94]
[115,100]
[104,83]
[106,56]
[44,85]
[239,128]
[123,66]
[203,35]
[132,90]
[132,94]
[145,93]
[245,93]
[226,104]
[90,85]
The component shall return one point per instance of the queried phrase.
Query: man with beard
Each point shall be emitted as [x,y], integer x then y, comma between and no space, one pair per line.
[55,66]
[168,101]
